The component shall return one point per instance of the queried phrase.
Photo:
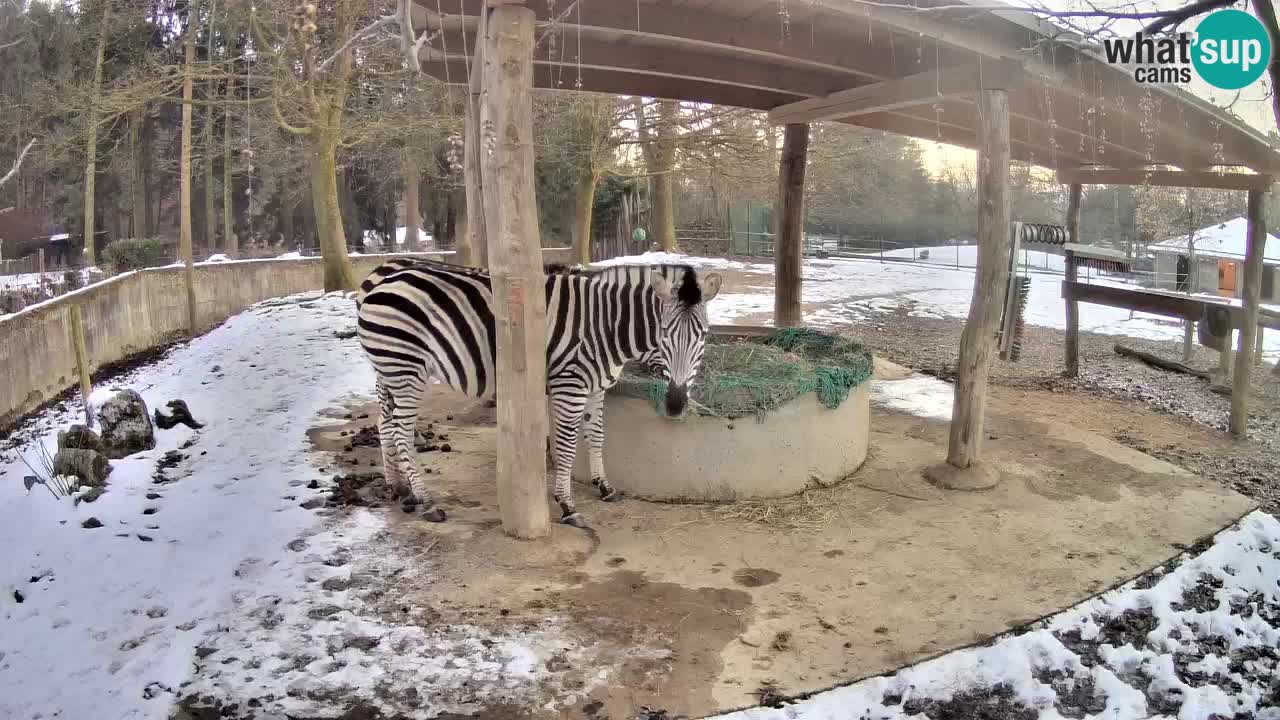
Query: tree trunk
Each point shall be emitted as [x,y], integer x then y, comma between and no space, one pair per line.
[91,142]
[324,200]
[1253,268]
[583,201]
[977,343]
[664,211]
[137,174]
[184,239]
[789,231]
[511,220]
[231,243]
[1072,345]
[412,211]
[287,209]
[210,199]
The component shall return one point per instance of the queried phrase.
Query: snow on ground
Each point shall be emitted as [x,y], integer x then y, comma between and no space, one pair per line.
[841,291]
[1198,642]
[52,277]
[372,238]
[207,576]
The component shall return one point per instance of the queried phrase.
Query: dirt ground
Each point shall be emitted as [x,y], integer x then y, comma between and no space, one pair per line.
[692,609]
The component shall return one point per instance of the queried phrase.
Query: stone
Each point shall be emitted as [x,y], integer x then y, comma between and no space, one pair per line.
[181,415]
[126,425]
[90,466]
[79,436]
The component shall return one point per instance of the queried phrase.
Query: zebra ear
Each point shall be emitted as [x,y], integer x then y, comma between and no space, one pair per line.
[711,286]
[662,285]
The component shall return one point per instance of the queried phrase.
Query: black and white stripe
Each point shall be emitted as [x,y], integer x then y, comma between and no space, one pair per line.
[420,320]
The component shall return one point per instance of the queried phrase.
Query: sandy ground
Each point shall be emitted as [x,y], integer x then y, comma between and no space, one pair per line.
[694,609]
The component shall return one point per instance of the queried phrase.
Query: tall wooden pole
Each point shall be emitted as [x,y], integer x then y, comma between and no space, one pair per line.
[977,344]
[515,260]
[1251,296]
[1072,345]
[82,361]
[472,246]
[788,248]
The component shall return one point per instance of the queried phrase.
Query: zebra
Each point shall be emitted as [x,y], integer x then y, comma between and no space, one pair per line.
[419,319]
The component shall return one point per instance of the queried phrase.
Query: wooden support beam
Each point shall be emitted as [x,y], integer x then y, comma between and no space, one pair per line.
[1072,344]
[788,250]
[1249,328]
[473,248]
[977,344]
[515,259]
[82,361]
[1166,178]
[920,89]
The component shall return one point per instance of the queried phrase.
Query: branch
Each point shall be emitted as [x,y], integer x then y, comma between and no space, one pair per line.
[368,30]
[1267,13]
[17,164]
[8,45]
[1177,17]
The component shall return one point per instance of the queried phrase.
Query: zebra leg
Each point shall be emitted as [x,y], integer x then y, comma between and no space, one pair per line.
[567,405]
[595,446]
[387,439]
[404,420]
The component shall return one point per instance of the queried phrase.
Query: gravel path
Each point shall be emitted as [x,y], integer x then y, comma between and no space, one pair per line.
[1251,467]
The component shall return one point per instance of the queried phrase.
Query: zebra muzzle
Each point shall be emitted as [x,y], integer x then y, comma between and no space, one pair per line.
[677,400]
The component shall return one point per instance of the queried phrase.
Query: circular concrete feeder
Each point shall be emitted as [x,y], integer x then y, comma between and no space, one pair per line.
[798,445]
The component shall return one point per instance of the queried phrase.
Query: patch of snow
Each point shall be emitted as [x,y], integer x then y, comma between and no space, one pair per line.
[922,396]
[1243,559]
[218,589]
[291,255]
[657,257]
[1224,240]
[218,258]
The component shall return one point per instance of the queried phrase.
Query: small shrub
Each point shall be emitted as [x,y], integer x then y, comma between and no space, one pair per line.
[134,254]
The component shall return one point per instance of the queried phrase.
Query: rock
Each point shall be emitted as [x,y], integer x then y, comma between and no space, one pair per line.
[91,523]
[90,466]
[80,437]
[181,415]
[126,425]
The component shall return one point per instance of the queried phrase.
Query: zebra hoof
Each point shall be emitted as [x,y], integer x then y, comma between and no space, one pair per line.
[435,515]
[614,495]
[409,504]
[574,520]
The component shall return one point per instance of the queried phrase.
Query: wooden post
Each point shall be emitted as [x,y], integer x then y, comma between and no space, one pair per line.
[515,260]
[1257,347]
[1072,343]
[1249,329]
[788,248]
[473,246]
[977,344]
[40,265]
[82,361]
[184,188]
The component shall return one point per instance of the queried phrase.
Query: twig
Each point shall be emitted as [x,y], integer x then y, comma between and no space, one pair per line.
[8,45]
[551,26]
[892,492]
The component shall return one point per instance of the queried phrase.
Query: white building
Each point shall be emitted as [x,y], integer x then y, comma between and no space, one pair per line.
[1219,251]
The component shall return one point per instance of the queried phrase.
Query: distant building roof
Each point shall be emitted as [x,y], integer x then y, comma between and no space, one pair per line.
[1226,240]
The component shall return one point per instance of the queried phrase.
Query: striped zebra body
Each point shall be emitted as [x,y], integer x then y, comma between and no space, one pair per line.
[419,320]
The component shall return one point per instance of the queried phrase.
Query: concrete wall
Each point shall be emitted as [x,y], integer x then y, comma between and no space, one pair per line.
[133,312]
[1167,272]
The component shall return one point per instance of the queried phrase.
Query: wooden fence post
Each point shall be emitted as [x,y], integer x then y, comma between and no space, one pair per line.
[788,252]
[1072,341]
[515,257]
[978,342]
[1249,330]
[82,361]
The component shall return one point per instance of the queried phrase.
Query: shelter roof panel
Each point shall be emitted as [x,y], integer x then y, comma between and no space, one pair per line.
[1074,109]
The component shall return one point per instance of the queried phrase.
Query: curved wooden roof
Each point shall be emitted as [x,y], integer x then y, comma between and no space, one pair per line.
[902,70]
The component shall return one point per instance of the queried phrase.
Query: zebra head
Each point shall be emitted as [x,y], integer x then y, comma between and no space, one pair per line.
[683,329]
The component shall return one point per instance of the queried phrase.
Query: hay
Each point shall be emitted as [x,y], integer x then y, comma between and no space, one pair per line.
[742,378]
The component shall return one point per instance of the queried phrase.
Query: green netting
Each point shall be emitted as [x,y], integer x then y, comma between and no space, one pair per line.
[742,377]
